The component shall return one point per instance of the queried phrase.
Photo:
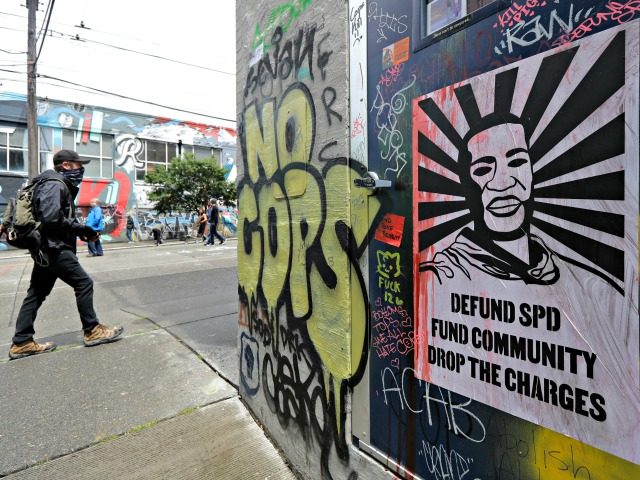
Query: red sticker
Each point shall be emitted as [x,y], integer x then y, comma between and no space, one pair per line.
[390,229]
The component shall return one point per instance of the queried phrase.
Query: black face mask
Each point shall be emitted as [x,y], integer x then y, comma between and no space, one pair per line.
[74,176]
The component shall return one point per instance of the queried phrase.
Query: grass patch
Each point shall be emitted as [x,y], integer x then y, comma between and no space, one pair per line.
[108,439]
[145,426]
[187,411]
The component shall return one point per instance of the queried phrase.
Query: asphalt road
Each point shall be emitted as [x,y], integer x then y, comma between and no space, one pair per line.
[186,289]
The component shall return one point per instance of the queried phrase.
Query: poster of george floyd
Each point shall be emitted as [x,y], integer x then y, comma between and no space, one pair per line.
[525,210]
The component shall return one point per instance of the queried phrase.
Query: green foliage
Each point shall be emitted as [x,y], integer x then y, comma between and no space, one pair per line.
[188,184]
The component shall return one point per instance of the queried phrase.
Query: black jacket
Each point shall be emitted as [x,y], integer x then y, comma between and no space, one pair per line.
[213,214]
[54,206]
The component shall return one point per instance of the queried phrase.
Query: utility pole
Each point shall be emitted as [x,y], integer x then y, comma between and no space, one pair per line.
[32,119]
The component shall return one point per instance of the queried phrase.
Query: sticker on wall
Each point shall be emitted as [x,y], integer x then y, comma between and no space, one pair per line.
[390,229]
[525,239]
[395,54]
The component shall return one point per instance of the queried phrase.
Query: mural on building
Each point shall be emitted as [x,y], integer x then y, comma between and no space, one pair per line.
[117,189]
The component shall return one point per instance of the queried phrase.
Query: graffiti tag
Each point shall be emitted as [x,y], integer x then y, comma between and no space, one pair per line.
[389,135]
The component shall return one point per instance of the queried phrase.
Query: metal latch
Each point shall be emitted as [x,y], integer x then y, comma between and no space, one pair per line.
[372,181]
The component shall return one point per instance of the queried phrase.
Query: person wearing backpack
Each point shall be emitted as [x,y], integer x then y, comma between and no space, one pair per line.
[95,221]
[53,206]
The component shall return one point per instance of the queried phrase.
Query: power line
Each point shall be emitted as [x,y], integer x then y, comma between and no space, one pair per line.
[92,29]
[132,98]
[117,47]
[107,93]
[13,29]
[77,37]
[44,19]
[12,71]
[11,53]
[46,28]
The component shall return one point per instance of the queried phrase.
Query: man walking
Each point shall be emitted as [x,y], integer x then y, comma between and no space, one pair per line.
[213,216]
[54,206]
[95,221]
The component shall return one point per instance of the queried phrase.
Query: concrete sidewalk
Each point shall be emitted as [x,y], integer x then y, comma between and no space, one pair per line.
[150,406]
[145,407]
[218,441]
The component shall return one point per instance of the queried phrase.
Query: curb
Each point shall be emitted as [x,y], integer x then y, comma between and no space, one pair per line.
[13,253]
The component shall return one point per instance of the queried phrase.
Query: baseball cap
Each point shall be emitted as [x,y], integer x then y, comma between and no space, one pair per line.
[68,156]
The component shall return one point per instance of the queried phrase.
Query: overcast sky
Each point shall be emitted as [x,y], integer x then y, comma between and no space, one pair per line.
[197,32]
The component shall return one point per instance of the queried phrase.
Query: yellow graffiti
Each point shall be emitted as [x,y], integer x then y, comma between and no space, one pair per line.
[276,234]
[560,457]
[295,140]
[340,338]
[388,264]
[305,223]
[304,227]
[261,142]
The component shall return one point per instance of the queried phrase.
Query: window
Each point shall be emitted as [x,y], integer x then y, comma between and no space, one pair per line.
[216,153]
[172,151]
[201,153]
[435,19]
[157,155]
[45,141]
[13,149]
[156,152]
[95,147]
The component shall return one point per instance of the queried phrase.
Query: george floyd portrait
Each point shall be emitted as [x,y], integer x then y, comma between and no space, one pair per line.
[525,193]
[517,172]
[496,172]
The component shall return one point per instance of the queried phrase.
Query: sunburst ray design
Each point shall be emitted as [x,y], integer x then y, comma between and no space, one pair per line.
[437,197]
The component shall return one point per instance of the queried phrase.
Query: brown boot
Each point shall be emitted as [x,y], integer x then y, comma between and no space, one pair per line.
[102,334]
[30,347]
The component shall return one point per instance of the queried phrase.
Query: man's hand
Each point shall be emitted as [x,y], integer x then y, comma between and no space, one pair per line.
[87,234]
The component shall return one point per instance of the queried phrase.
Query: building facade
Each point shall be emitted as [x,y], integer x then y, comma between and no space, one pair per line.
[438,244]
[122,146]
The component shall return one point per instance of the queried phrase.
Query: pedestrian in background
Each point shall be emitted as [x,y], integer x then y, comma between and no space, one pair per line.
[202,224]
[95,221]
[53,205]
[213,216]
[130,227]
[158,231]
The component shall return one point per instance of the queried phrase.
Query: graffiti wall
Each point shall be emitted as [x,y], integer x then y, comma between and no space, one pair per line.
[119,189]
[503,278]
[441,280]
[302,231]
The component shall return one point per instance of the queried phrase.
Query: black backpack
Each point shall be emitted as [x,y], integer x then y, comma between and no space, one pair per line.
[22,227]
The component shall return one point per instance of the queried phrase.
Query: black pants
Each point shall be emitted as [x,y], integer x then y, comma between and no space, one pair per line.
[213,232]
[63,264]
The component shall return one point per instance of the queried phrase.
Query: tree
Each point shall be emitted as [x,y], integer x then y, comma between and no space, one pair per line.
[188,184]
